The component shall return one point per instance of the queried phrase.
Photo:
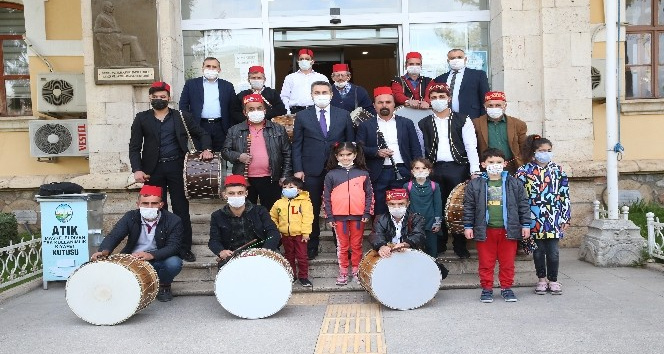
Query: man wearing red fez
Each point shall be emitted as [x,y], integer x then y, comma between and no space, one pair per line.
[346,95]
[410,89]
[153,234]
[260,150]
[212,102]
[495,129]
[390,145]
[296,90]
[467,86]
[157,147]
[273,104]
[240,221]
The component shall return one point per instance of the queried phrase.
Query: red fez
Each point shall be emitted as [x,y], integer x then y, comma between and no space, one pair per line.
[413,55]
[254,97]
[339,67]
[382,90]
[256,69]
[150,190]
[161,85]
[495,95]
[396,194]
[235,179]
[306,51]
[439,87]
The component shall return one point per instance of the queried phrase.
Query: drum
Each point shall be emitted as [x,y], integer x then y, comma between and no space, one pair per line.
[256,284]
[415,115]
[109,291]
[359,115]
[404,281]
[454,209]
[202,179]
[288,122]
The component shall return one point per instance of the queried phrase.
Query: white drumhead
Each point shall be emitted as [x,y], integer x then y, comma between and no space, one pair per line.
[253,287]
[412,113]
[103,293]
[406,280]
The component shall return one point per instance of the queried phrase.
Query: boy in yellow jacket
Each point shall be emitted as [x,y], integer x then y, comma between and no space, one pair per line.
[294,214]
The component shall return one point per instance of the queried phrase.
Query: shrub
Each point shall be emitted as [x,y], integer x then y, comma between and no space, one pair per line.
[8,229]
[638,211]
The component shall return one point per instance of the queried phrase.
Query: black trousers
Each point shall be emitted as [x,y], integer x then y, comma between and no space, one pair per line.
[314,185]
[386,180]
[448,175]
[216,131]
[261,188]
[168,176]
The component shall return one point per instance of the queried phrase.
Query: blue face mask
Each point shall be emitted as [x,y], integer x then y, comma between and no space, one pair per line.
[544,156]
[289,193]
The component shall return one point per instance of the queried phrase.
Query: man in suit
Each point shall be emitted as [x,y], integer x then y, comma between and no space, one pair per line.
[401,147]
[410,89]
[295,90]
[153,234]
[157,147]
[346,95]
[316,130]
[497,130]
[211,101]
[275,107]
[467,86]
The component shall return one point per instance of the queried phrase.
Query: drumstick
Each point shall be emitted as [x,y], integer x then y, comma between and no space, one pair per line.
[239,250]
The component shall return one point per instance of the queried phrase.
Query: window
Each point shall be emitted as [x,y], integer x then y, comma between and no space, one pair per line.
[644,49]
[14,76]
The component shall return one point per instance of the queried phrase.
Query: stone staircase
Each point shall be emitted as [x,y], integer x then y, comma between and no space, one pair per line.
[197,278]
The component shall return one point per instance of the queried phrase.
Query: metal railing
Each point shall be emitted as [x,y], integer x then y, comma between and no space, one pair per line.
[600,213]
[655,236]
[20,261]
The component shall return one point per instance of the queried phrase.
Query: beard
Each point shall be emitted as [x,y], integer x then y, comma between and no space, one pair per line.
[384,111]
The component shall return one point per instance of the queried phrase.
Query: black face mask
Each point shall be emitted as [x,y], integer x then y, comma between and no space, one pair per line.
[159,104]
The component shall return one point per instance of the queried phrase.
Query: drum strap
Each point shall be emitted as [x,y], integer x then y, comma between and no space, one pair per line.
[192,148]
[410,185]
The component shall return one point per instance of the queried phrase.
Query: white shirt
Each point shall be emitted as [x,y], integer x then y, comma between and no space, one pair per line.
[444,152]
[397,225]
[211,106]
[146,240]
[296,90]
[457,85]
[389,129]
[327,116]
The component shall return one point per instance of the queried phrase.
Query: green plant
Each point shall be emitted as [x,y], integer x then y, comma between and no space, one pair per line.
[638,211]
[8,229]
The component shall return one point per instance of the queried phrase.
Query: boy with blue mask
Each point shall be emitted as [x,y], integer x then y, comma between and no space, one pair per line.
[294,214]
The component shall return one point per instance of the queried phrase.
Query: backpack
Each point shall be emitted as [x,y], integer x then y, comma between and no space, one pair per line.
[55,188]
[410,185]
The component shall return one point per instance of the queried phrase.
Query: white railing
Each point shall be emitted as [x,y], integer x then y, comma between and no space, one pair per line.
[655,236]
[20,261]
[600,213]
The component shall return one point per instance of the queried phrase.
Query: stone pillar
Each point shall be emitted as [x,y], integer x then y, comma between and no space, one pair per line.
[611,243]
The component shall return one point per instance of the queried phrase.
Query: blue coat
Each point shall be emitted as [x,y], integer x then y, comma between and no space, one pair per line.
[409,145]
[191,100]
[357,96]
[471,93]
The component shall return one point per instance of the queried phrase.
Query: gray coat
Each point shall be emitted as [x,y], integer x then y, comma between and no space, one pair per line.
[516,212]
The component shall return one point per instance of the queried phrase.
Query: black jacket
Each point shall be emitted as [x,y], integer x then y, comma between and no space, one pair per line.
[274,108]
[412,232]
[145,138]
[276,142]
[167,235]
[221,237]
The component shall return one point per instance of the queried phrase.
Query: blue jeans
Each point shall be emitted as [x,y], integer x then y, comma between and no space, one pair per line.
[167,269]
[546,258]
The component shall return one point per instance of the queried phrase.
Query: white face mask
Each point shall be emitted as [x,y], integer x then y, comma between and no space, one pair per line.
[414,69]
[322,101]
[397,212]
[149,213]
[304,64]
[494,169]
[439,105]
[494,113]
[257,84]
[236,202]
[256,116]
[340,84]
[422,174]
[210,74]
[457,64]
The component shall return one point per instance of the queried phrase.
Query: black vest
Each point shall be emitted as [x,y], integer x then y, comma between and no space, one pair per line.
[431,138]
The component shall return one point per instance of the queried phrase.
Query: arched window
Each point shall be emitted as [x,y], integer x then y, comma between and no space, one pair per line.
[14,75]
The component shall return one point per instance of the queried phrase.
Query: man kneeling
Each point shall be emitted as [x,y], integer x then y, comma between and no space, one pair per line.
[153,235]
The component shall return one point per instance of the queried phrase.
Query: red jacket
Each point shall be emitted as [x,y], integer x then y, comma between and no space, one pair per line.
[347,194]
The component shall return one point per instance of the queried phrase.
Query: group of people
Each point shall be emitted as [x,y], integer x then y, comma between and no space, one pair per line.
[377,170]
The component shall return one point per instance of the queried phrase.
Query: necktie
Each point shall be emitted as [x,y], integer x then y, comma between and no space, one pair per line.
[452,82]
[149,227]
[323,122]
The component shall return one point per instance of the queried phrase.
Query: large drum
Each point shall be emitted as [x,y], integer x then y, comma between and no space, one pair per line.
[454,209]
[256,284]
[404,281]
[415,115]
[202,179]
[288,122]
[109,291]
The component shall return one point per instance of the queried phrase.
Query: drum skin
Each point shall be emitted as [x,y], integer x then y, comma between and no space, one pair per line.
[256,284]
[110,291]
[202,179]
[288,122]
[454,209]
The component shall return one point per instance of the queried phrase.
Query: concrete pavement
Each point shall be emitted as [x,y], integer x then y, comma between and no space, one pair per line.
[602,310]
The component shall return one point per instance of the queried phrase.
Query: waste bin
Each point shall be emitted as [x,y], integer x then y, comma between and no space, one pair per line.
[71,230]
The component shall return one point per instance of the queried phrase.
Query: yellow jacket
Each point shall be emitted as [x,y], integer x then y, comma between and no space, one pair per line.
[293,217]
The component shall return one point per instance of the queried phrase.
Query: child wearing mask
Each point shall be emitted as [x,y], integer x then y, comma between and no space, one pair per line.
[425,198]
[399,228]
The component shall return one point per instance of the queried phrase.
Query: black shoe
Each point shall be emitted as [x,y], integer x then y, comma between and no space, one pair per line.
[312,255]
[188,256]
[463,254]
[164,294]
[305,282]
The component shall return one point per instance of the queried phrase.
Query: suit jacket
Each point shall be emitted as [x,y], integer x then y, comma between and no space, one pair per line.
[357,96]
[191,100]
[310,148]
[409,145]
[275,108]
[516,135]
[167,236]
[145,137]
[471,93]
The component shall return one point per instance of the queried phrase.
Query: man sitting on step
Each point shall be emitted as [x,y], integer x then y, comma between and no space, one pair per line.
[240,223]
[153,235]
